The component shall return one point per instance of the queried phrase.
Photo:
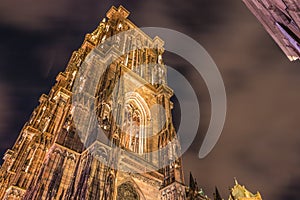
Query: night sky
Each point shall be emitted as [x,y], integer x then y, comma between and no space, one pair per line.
[260,141]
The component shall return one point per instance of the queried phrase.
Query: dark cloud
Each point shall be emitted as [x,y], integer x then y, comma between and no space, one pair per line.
[260,141]
[292,191]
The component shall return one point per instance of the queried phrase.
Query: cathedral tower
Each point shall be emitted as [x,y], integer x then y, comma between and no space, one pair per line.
[105,129]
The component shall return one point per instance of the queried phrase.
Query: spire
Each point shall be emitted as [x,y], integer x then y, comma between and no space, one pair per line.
[217,195]
[192,182]
[235,181]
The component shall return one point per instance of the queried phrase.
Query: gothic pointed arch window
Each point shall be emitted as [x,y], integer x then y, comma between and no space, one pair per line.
[132,128]
[135,121]
[126,191]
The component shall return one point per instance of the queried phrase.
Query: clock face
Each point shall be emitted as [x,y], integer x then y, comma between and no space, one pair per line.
[127,192]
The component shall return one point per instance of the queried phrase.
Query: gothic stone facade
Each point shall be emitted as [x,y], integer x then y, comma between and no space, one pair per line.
[100,138]
[59,157]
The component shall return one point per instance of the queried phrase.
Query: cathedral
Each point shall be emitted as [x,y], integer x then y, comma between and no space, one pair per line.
[104,131]
[281,19]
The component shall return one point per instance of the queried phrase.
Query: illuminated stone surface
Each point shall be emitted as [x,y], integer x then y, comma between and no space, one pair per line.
[56,157]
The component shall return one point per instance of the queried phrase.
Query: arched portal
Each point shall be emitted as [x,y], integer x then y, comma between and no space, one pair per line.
[126,191]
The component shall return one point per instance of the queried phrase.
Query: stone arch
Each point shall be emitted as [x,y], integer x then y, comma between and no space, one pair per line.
[102,154]
[136,117]
[140,102]
[129,190]
[58,151]
[71,156]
